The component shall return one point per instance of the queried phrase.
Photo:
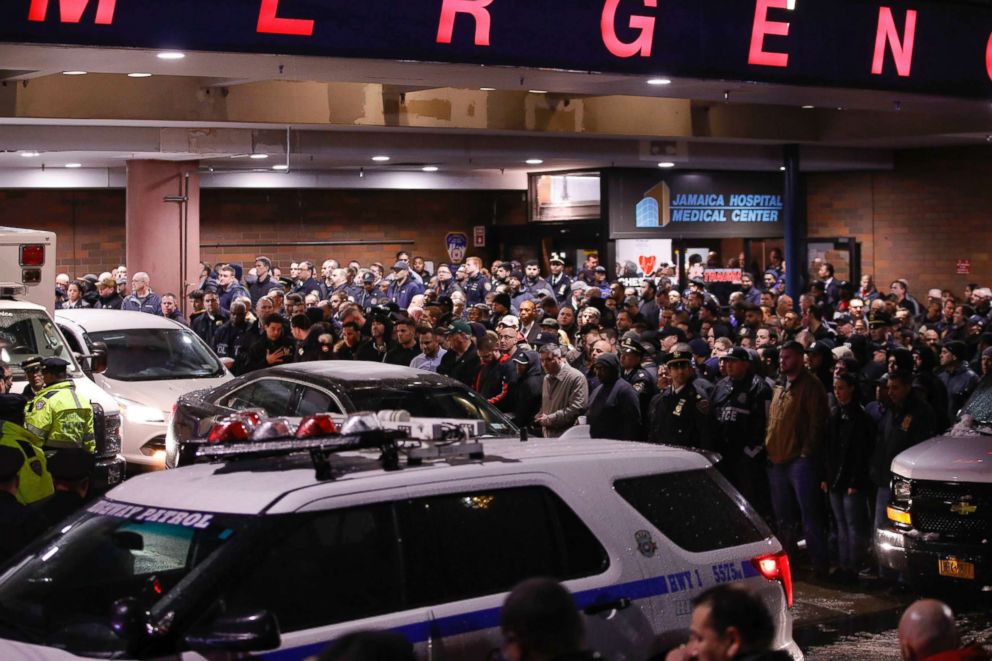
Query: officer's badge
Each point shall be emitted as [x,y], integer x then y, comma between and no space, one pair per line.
[36,467]
[907,421]
[638,386]
[678,408]
[39,405]
[487,286]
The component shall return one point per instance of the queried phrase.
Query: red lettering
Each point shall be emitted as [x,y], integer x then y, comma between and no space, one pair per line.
[902,49]
[643,24]
[762,27]
[988,57]
[269,23]
[71,11]
[475,8]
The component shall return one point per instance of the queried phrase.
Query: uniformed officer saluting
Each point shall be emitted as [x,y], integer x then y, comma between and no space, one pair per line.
[631,354]
[58,415]
[681,414]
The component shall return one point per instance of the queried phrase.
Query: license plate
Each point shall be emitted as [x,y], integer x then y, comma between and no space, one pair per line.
[956,568]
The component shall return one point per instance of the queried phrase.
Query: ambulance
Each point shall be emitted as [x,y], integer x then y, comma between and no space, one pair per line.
[27,300]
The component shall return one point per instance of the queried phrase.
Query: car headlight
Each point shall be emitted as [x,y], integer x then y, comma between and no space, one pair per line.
[139,413]
[901,489]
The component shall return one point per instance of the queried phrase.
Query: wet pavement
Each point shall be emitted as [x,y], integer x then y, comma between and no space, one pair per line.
[859,622]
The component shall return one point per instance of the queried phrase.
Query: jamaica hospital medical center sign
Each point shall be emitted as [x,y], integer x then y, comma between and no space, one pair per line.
[694,204]
[926,46]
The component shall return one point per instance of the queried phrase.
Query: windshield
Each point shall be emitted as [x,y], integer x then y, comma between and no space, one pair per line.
[157,354]
[979,405]
[434,402]
[27,333]
[61,592]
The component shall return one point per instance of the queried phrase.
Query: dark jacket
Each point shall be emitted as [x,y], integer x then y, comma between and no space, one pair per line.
[256,356]
[207,327]
[18,526]
[527,402]
[227,338]
[739,408]
[848,447]
[401,356]
[234,290]
[901,428]
[684,418]
[112,302]
[614,408]
[464,368]
[260,288]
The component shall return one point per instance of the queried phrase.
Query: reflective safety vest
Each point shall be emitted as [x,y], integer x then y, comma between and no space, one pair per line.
[60,418]
[35,480]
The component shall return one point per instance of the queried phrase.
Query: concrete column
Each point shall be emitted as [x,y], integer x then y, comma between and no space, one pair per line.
[163,224]
[794,203]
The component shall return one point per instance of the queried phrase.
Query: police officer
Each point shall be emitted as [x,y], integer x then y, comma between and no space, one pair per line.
[35,482]
[740,404]
[368,296]
[681,414]
[476,285]
[631,354]
[57,415]
[18,525]
[560,283]
[35,381]
[70,472]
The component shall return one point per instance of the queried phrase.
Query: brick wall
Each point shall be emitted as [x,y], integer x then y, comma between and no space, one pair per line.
[915,221]
[89,224]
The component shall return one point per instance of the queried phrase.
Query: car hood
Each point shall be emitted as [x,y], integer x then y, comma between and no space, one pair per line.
[949,458]
[13,651]
[158,394]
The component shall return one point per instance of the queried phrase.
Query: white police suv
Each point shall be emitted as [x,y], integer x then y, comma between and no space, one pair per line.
[276,547]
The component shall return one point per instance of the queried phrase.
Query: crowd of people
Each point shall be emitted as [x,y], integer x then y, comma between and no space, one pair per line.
[807,401]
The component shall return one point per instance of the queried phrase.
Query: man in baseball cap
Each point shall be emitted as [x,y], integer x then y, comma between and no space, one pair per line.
[461,361]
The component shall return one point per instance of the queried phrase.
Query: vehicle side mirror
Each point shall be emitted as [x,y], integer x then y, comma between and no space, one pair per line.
[237,632]
[128,619]
[98,358]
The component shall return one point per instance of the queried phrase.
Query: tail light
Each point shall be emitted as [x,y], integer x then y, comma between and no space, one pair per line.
[316,425]
[32,254]
[271,429]
[775,567]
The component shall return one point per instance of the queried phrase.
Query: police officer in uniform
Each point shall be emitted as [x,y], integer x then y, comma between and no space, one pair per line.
[476,285]
[740,405]
[560,283]
[35,382]
[369,296]
[631,354]
[58,415]
[70,472]
[35,482]
[18,525]
[681,414]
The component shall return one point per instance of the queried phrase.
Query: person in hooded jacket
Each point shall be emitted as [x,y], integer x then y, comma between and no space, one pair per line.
[614,407]
[848,446]
[530,380]
[926,381]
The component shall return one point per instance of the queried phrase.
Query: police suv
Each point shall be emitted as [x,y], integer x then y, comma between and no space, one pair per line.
[287,534]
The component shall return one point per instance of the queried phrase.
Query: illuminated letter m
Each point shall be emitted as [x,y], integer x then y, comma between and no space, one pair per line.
[71,11]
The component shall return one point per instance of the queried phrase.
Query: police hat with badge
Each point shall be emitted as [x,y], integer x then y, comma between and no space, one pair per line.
[557,258]
[32,364]
[878,318]
[632,346]
[737,353]
[680,356]
[54,365]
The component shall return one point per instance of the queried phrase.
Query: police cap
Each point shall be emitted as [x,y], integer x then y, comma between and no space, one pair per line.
[31,364]
[54,365]
[736,353]
[679,355]
[878,318]
[630,345]
[543,338]
[71,465]
[600,269]
[368,277]
[11,460]
[821,347]
[557,258]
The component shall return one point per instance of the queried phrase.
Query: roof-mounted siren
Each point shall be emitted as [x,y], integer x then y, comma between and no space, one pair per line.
[32,258]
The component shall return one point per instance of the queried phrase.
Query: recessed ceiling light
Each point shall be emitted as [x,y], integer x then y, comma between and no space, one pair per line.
[808,107]
[666,164]
[380,158]
[659,81]
[74,165]
[782,168]
[171,55]
[259,157]
[534,161]
[840,107]
[139,75]
[538,91]
[429,168]
[487,89]
[281,166]
[29,154]
[73,73]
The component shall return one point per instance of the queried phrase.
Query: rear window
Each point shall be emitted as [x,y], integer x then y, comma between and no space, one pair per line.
[697,509]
